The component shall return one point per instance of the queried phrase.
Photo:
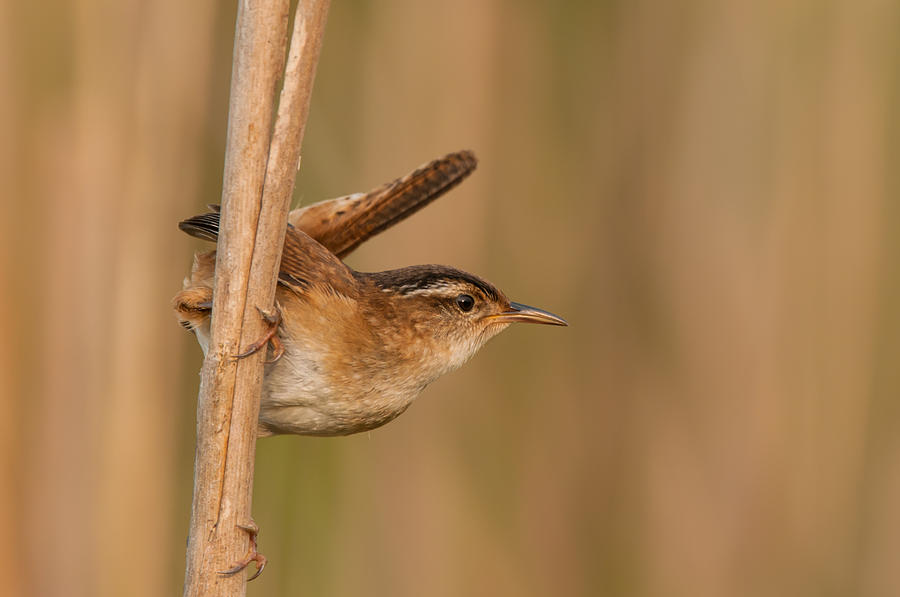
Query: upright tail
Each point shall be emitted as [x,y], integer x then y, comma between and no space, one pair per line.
[342,224]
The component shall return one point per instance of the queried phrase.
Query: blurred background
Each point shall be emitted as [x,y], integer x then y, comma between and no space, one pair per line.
[703,189]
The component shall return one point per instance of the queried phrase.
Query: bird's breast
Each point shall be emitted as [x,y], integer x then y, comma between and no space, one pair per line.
[335,377]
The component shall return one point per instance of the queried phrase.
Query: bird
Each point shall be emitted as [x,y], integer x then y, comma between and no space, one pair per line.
[351,350]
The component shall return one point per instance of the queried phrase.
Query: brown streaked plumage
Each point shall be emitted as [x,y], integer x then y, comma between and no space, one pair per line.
[344,223]
[359,347]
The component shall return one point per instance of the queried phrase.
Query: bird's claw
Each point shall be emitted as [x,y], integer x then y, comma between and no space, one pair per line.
[252,554]
[273,320]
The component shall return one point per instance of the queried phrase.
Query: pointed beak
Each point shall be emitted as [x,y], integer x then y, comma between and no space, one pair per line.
[526,314]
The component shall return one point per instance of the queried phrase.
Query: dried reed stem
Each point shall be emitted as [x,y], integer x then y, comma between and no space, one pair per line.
[258,183]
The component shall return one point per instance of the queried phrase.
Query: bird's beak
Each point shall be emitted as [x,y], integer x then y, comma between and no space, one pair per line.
[526,314]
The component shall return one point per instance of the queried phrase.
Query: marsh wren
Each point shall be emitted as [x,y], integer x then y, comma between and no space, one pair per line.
[353,349]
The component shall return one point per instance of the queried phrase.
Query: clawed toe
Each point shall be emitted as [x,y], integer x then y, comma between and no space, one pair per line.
[273,320]
[252,554]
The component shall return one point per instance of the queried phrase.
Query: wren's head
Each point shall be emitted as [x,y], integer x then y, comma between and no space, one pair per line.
[452,313]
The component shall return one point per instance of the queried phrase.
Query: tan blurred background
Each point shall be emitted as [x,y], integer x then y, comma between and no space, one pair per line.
[702,188]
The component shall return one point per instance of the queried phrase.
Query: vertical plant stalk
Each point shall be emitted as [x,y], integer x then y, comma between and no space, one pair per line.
[259,177]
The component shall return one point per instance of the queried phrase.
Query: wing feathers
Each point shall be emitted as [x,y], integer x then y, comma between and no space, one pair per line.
[304,262]
[322,233]
[204,226]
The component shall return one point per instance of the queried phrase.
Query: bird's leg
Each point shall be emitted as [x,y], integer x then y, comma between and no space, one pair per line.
[252,554]
[270,336]
[192,306]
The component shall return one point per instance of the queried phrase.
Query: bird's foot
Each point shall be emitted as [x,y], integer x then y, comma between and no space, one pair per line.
[252,554]
[273,320]
[192,306]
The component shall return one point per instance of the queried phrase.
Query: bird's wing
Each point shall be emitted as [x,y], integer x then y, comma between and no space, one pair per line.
[304,262]
[344,223]
[205,226]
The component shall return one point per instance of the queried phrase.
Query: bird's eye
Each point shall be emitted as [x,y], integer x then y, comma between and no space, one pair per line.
[465,302]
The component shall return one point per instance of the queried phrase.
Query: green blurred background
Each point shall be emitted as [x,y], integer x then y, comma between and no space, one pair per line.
[702,188]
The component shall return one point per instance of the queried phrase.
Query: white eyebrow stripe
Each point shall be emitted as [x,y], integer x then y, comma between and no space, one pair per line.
[431,289]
